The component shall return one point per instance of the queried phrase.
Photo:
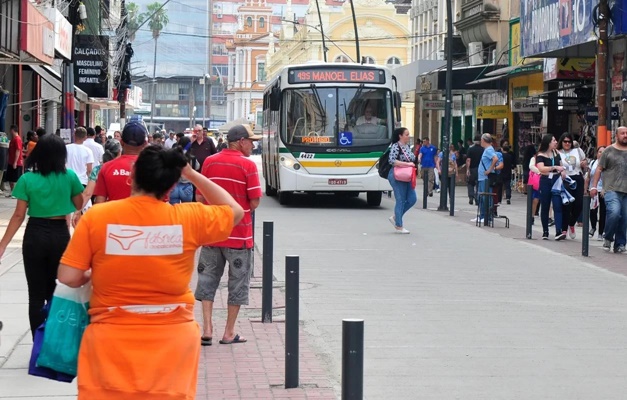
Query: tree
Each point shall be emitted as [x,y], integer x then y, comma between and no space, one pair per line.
[157,18]
[134,19]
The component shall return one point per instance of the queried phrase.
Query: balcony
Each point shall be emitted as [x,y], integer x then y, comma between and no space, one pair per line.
[479,21]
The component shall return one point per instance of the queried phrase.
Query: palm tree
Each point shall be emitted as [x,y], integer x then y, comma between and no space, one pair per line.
[157,18]
[134,19]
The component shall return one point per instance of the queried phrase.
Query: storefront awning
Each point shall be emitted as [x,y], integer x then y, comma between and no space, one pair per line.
[54,79]
[512,68]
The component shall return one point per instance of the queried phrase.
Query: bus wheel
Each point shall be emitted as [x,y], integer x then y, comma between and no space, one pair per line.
[284,198]
[270,191]
[374,198]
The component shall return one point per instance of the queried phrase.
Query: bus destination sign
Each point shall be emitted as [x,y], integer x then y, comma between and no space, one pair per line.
[336,74]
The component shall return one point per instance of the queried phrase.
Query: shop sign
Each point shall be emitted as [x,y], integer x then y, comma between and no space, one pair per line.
[91,65]
[540,33]
[525,117]
[63,32]
[492,112]
[569,68]
[37,34]
[134,97]
[592,114]
[524,105]
[434,104]
[514,46]
[570,104]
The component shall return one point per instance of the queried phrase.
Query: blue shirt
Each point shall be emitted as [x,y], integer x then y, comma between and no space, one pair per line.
[428,156]
[486,161]
[499,156]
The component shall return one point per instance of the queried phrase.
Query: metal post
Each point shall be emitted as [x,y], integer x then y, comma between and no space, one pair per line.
[266,287]
[602,56]
[451,188]
[529,211]
[358,60]
[585,236]
[425,188]
[153,92]
[291,321]
[352,359]
[486,207]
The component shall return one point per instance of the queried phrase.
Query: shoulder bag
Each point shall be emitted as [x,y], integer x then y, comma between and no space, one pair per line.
[403,173]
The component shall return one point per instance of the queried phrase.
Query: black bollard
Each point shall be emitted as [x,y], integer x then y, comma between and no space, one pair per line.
[266,280]
[585,237]
[529,211]
[291,321]
[451,188]
[425,188]
[352,359]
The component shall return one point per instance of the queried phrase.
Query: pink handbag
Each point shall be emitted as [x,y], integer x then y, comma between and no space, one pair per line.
[534,180]
[403,174]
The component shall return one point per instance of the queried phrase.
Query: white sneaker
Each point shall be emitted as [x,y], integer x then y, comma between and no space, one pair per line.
[392,221]
[402,231]
[475,220]
[600,237]
[571,232]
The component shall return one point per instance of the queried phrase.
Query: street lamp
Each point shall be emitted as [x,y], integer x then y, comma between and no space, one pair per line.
[206,80]
[324,48]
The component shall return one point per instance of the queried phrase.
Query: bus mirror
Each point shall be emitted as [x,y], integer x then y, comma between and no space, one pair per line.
[275,99]
[397,105]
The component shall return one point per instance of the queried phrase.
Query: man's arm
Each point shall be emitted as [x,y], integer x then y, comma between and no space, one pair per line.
[254,203]
[595,179]
[17,157]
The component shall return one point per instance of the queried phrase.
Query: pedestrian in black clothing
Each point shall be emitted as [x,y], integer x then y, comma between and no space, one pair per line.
[506,172]
[529,151]
[473,158]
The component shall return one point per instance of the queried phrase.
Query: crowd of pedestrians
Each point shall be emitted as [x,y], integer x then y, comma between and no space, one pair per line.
[156,200]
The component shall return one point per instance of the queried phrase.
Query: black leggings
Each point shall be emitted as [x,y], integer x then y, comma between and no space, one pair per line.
[572,211]
[45,241]
[600,213]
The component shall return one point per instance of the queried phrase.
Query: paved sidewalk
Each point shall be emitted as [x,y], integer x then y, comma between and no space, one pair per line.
[252,370]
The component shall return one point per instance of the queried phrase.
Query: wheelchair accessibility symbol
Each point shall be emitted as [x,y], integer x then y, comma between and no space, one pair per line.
[346,138]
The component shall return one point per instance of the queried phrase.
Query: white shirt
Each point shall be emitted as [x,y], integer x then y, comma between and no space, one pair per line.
[96,149]
[169,143]
[78,156]
[373,120]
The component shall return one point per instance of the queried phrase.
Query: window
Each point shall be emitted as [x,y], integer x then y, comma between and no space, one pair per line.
[368,60]
[219,49]
[393,62]
[183,92]
[342,59]
[262,22]
[249,22]
[261,72]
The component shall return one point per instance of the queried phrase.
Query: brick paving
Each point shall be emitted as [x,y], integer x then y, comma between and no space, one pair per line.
[256,369]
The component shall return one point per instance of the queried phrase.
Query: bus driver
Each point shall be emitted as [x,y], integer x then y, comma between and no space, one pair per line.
[368,118]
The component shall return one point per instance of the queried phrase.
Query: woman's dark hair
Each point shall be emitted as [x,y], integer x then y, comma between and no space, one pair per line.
[183,142]
[48,156]
[396,135]
[565,135]
[545,142]
[158,169]
[30,135]
[112,150]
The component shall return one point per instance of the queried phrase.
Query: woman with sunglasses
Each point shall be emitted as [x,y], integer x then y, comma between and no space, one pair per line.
[575,163]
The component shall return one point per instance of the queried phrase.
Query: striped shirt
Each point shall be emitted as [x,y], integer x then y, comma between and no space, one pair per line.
[238,175]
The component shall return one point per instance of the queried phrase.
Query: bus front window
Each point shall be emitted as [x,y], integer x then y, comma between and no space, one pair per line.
[310,116]
[368,115]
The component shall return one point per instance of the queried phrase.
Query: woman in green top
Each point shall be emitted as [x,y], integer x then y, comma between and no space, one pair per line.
[47,195]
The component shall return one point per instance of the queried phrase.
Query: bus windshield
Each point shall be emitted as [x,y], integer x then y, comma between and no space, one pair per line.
[337,117]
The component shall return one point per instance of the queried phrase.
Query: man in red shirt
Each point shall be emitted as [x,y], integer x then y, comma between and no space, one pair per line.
[15,165]
[114,178]
[232,170]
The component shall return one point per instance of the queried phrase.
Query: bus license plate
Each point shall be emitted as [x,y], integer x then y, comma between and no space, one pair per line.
[338,181]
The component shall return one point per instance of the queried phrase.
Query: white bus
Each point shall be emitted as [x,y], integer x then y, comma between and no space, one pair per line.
[325,125]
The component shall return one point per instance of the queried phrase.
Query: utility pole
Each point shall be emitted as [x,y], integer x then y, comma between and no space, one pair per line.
[324,46]
[602,132]
[356,33]
[447,108]
[209,66]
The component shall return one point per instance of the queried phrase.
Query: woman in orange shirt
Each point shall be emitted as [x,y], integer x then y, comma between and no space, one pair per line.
[142,341]
[31,139]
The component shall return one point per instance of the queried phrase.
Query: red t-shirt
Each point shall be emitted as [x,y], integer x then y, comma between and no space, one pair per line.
[14,146]
[114,178]
[238,175]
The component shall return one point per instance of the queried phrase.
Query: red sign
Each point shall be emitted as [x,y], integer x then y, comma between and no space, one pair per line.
[37,34]
[336,74]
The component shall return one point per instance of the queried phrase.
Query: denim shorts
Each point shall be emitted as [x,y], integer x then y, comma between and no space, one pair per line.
[211,268]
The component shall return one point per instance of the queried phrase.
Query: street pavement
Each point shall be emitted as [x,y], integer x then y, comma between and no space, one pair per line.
[452,311]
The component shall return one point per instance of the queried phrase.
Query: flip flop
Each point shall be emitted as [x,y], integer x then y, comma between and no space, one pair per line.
[205,341]
[236,339]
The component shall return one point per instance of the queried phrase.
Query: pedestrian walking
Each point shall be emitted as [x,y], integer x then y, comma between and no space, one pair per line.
[506,173]
[97,149]
[613,166]
[31,142]
[427,160]
[237,174]
[574,161]
[404,193]
[473,159]
[139,254]
[487,165]
[15,166]
[114,178]
[80,158]
[548,162]
[597,210]
[183,191]
[47,194]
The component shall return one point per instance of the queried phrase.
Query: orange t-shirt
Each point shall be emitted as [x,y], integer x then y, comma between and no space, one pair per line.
[141,250]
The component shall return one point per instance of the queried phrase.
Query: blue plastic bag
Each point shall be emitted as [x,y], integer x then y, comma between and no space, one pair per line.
[35,370]
[64,328]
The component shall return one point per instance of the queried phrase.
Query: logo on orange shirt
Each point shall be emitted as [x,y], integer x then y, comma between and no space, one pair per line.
[129,240]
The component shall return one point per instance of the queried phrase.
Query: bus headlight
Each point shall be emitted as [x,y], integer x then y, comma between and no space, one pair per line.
[287,162]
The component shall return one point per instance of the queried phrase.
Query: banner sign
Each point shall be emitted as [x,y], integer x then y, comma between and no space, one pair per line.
[91,65]
[592,114]
[434,104]
[569,68]
[539,31]
[492,112]
[524,105]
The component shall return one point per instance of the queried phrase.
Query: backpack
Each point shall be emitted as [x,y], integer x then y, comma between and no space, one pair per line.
[384,164]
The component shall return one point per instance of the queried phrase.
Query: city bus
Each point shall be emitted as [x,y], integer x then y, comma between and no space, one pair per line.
[325,125]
